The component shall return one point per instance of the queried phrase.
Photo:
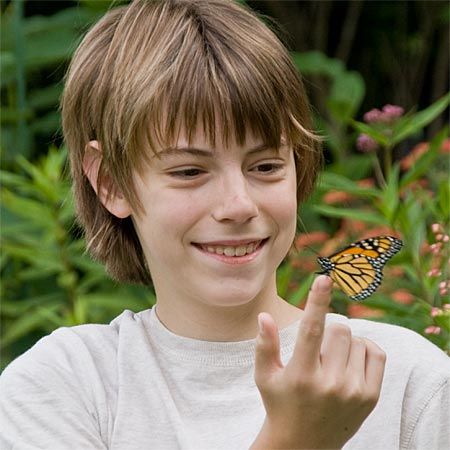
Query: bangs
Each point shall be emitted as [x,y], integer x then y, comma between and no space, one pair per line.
[215,81]
[222,101]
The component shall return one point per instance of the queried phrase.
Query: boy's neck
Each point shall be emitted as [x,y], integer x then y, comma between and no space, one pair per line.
[224,324]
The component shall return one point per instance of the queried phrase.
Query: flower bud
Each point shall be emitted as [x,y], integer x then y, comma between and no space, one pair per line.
[366,144]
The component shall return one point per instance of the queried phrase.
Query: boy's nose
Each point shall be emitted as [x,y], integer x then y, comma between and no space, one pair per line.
[235,202]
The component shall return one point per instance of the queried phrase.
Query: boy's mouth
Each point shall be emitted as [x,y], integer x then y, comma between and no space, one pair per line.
[232,248]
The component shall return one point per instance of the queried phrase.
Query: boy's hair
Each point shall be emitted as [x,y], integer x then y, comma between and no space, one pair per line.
[146,71]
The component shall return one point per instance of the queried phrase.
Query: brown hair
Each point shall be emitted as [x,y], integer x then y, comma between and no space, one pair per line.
[153,67]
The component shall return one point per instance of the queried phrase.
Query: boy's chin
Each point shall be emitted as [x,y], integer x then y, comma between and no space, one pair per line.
[233,298]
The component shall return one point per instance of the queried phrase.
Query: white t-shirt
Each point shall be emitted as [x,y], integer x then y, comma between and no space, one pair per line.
[133,384]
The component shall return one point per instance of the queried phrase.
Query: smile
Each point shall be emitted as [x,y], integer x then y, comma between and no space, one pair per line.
[229,250]
[239,250]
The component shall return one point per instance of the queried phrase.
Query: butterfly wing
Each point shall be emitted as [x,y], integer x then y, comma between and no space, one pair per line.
[356,275]
[358,269]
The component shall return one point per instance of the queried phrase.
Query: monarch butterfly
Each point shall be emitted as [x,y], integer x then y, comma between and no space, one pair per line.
[358,268]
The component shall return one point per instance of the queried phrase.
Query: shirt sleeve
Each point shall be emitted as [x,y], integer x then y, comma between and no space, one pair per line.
[432,429]
[44,404]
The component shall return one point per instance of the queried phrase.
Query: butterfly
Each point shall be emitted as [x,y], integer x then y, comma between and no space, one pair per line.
[358,268]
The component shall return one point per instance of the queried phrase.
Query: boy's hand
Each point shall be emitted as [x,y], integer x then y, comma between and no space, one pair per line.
[328,388]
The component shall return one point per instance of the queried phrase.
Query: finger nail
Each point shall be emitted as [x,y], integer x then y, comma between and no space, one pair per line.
[322,283]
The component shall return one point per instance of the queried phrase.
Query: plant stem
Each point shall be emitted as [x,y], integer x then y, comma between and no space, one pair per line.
[387,160]
[20,76]
[378,172]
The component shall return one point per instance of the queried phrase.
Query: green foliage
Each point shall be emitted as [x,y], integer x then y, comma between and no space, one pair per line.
[47,279]
[346,91]
[29,47]
[404,198]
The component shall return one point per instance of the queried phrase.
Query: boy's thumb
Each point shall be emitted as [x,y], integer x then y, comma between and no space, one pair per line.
[267,351]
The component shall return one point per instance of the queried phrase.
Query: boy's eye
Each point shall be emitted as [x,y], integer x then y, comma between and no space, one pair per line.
[187,173]
[267,168]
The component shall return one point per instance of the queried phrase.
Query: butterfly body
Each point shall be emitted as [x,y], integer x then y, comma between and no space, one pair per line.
[358,269]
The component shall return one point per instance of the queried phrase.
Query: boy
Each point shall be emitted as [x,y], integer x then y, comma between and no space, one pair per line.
[190,146]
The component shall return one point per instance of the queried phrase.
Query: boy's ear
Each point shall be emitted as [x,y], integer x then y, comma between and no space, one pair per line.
[114,202]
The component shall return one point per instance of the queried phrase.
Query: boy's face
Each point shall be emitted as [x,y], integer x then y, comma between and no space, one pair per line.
[217,222]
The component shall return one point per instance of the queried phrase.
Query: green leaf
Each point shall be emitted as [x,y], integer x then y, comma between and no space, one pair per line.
[37,212]
[46,258]
[376,135]
[419,120]
[46,124]
[302,292]
[284,275]
[47,184]
[421,166]
[15,308]
[11,179]
[354,167]
[26,324]
[412,212]
[330,181]
[347,93]
[45,97]
[11,115]
[444,201]
[7,68]
[353,214]
[390,195]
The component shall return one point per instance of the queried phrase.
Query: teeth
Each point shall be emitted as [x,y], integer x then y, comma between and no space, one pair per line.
[232,251]
[229,251]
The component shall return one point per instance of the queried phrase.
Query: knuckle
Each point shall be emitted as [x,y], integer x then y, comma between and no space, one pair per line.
[357,393]
[299,383]
[358,342]
[312,328]
[338,330]
[263,382]
[375,349]
[379,355]
[334,388]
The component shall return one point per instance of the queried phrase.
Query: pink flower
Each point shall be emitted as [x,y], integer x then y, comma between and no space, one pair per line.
[446,306]
[435,311]
[372,116]
[443,290]
[436,248]
[366,144]
[389,114]
[432,330]
[392,112]
[357,310]
[436,228]
[402,296]
[434,273]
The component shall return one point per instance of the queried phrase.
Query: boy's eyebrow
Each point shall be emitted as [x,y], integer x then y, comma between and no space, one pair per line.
[203,152]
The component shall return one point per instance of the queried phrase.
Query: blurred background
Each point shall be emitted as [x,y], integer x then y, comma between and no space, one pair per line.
[377,73]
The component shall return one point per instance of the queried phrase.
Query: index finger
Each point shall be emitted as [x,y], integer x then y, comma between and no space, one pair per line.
[310,333]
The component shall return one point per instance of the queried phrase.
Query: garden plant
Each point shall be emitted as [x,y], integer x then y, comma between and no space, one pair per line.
[382,176]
